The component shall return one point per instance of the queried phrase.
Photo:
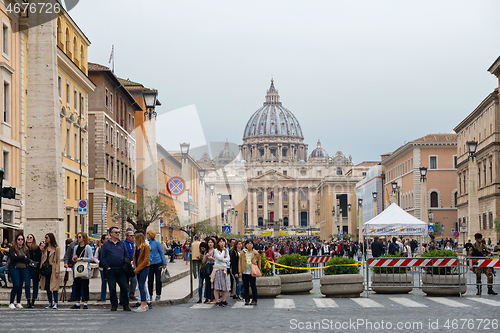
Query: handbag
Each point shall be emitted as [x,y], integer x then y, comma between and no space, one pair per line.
[127,266]
[165,276]
[33,264]
[256,271]
[46,269]
[81,268]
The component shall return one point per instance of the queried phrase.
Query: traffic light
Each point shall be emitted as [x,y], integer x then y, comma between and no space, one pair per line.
[5,192]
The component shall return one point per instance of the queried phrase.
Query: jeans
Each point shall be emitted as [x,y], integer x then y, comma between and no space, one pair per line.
[50,293]
[148,299]
[200,286]
[116,275]
[239,284]
[104,286]
[132,284]
[18,277]
[249,280]
[80,284]
[2,273]
[187,255]
[141,280]
[154,273]
[195,268]
[32,276]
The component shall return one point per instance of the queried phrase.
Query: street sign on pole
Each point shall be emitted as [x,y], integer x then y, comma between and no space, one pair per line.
[431,228]
[161,223]
[82,207]
[226,229]
[456,234]
[176,186]
[463,229]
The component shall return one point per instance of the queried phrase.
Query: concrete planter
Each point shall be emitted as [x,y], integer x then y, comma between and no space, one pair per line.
[402,283]
[345,285]
[296,283]
[445,281]
[267,286]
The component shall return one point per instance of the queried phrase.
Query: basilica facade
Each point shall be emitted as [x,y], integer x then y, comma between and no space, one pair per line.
[273,180]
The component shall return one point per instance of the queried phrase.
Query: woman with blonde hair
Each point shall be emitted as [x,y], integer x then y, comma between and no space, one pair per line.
[82,252]
[18,270]
[141,268]
[157,262]
[49,270]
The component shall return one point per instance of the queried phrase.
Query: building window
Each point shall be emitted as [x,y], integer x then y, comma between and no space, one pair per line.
[68,141]
[490,220]
[433,162]
[484,220]
[285,221]
[284,151]
[7,217]
[107,168]
[107,132]
[260,222]
[259,197]
[434,199]
[285,196]
[302,172]
[83,149]
[76,189]
[111,102]
[59,86]
[339,171]
[455,199]
[259,173]
[318,173]
[455,161]
[303,195]
[285,173]
[75,99]
[111,136]
[82,106]
[68,189]
[117,140]
[107,98]
[491,170]
[76,144]
[68,94]
[6,102]
[5,39]
[6,165]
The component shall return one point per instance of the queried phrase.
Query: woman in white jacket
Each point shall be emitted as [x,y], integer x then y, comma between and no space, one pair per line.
[220,279]
[82,252]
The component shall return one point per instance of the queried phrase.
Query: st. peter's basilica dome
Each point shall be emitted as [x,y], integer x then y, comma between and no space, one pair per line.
[273,119]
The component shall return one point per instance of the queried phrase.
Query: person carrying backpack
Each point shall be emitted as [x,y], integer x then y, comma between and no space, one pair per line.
[393,247]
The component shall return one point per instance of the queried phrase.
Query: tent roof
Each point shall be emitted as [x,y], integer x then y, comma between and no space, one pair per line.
[395,221]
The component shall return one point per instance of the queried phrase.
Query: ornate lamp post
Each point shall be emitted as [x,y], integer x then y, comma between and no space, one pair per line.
[473,200]
[150,97]
[395,191]
[424,216]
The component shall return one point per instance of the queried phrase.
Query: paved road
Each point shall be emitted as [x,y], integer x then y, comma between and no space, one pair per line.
[284,314]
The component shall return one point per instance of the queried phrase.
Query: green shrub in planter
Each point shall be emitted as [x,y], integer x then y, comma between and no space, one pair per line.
[337,270]
[267,269]
[390,270]
[292,260]
[440,270]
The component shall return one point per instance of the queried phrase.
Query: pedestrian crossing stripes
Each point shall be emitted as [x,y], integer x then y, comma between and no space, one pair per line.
[284,303]
[448,302]
[390,302]
[325,303]
[407,302]
[367,303]
[485,301]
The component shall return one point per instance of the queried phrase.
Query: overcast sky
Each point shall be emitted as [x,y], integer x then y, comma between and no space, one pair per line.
[362,76]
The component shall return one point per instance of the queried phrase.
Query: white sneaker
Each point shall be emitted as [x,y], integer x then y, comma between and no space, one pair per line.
[141,309]
[49,306]
[55,306]
[19,306]
[12,306]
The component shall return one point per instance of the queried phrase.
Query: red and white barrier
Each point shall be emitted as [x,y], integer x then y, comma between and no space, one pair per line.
[318,259]
[414,262]
[485,262]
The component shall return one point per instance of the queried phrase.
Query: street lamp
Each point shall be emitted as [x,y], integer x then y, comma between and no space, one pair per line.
[349,207]
[394,186]
[212,188]
[423,173]
[202,173]
[374,194]
[472,147]
[219,196]
[150,97]
[360,202]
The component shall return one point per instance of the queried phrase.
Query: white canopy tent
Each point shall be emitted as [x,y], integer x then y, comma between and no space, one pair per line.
[395,221]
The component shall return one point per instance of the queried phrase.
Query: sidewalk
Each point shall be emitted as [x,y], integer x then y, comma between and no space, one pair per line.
[175,292]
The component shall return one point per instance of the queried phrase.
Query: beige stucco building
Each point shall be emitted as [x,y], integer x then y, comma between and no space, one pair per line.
[481,125]
[438,153]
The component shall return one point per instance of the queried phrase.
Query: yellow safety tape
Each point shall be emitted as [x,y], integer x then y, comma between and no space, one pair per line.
[96,239]
[358,263]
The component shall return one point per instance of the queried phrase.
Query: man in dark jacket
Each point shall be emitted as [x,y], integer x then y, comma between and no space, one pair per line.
[393,247]
[377,248]
[112,258]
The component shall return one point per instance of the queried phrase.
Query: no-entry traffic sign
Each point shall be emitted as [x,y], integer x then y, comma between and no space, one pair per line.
[82,207]
[176,186]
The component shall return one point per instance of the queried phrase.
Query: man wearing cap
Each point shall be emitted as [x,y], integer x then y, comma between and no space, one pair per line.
[480,250]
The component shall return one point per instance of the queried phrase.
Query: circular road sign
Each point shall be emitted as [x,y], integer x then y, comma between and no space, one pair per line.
[456,234]
[82,204]
[176,186]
